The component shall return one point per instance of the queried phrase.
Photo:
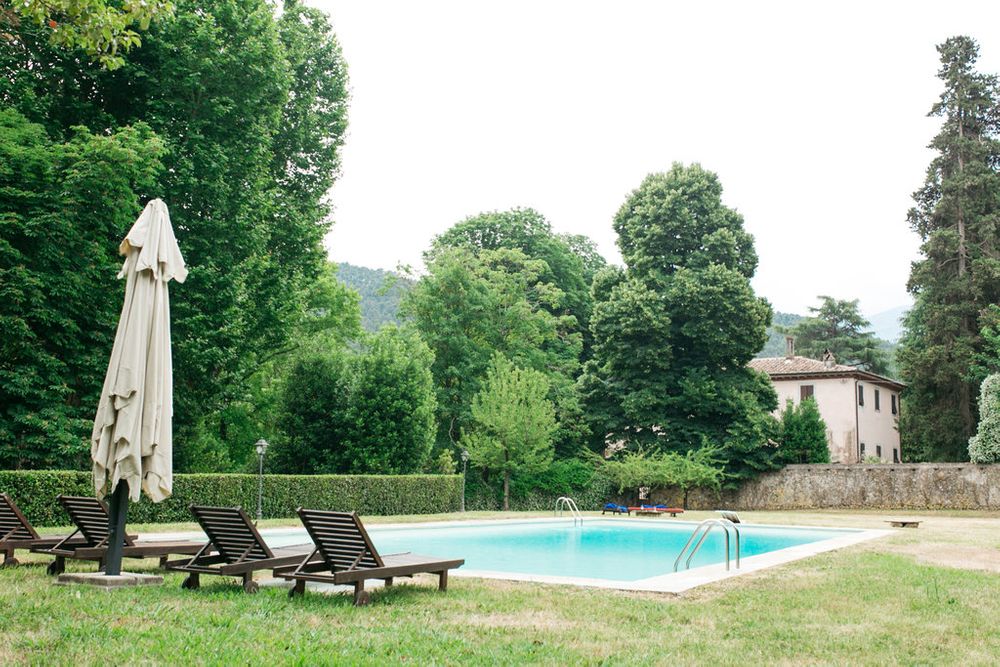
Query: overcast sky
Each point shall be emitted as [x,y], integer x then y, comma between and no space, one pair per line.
[814,117]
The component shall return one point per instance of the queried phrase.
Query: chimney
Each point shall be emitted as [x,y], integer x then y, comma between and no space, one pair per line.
[828,359]
[789,347]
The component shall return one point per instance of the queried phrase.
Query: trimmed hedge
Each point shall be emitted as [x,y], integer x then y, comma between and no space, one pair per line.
[35,492]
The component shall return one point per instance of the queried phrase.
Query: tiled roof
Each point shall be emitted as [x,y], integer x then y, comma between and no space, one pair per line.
[780,365]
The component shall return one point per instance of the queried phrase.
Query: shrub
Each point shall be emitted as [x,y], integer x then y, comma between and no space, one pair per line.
[538,492]
[366,412]
[35,492]
[984,447]
[699,468]
[803,434]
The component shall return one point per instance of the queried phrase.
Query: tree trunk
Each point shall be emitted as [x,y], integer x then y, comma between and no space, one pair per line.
[961,217]
[506,490]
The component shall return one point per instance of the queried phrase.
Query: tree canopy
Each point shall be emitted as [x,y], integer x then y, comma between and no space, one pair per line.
[837,325]
[512,422]
[103,30]
[250,109]
[803,433]
[370,411]
[471,306]
[958,274]
[569,261]
[65,207]
[674,331]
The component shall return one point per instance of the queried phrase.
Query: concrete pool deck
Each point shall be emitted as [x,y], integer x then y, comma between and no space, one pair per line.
[672,582]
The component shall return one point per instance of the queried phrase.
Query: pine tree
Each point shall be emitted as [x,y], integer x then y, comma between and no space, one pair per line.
[837,325]
[959,274]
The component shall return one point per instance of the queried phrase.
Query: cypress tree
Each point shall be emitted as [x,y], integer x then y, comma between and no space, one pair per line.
[958,275]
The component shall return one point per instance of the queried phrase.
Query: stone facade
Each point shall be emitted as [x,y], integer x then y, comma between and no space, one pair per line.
[913,486]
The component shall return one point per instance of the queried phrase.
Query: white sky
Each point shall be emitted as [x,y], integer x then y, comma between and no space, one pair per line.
[814,117]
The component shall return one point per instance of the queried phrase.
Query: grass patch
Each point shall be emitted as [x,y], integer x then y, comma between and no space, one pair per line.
[874,603]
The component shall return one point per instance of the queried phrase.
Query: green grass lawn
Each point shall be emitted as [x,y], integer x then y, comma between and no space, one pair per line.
[910,598]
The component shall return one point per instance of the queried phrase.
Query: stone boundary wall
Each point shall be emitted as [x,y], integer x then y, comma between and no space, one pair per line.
[916,486]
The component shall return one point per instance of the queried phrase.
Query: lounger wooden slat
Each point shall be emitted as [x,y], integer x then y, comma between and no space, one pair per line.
[90,516]
[349,557]
[235,548]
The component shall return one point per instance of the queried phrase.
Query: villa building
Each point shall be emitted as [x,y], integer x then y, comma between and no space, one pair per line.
[860,409]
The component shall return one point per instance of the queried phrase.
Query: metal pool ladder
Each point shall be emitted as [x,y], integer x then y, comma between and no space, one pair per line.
[568,504]
[704,528]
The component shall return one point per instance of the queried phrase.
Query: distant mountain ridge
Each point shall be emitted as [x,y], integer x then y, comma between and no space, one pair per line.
[888,325]
[380,291]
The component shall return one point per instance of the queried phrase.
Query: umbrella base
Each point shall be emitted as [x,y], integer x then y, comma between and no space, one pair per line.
[108,581]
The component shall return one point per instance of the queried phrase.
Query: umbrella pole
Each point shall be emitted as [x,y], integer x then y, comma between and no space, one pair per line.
[116,529]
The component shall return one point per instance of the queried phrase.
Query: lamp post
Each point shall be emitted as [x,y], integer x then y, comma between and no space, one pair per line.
[465,463]
[261,447]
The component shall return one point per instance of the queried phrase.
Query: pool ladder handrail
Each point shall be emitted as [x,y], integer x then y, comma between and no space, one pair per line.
[704,528]
[568,504]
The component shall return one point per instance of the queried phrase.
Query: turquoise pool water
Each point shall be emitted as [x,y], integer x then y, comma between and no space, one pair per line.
[620,550]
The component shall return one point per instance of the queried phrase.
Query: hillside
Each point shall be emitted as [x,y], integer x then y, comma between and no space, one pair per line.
[380,292]
[887,324]
[775,345]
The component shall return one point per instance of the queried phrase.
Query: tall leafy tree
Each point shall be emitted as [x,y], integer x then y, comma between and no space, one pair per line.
[528,231]
[252,111]
[958,275]
[674,331]
[64,207]
[470,306]
[837,325]
[512,423]
[104,30]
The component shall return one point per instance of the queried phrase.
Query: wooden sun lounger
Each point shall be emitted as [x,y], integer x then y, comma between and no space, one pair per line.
[16,532]
[234,549]
[90,516]
[347,556]
[653,510]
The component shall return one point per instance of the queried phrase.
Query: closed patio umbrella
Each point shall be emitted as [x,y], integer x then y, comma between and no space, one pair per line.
[131,445]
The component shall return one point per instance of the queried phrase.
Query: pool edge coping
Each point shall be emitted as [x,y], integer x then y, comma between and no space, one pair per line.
[673,582]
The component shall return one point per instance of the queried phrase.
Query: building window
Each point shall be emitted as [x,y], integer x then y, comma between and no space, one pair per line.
[892,402]
[895,455]
[877,402]
[806,391]
[878,451]
[862,451]
[861,395]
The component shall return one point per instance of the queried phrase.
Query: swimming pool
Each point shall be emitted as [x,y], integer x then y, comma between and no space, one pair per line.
[619,553]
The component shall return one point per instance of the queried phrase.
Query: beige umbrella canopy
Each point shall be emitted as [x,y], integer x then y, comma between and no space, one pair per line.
[132,438]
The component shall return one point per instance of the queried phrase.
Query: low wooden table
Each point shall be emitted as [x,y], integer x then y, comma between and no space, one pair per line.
[903,523]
